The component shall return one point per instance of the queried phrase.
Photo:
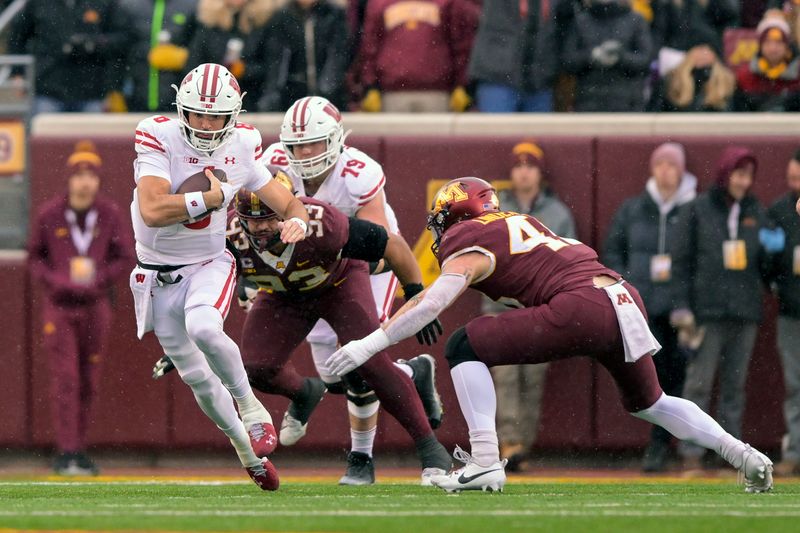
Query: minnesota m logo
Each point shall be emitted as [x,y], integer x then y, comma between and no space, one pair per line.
[623,299]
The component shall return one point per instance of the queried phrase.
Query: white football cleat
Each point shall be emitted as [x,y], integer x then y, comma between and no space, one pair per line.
[291,430]
[751,463]
[757,470]
[428,474]
[472,476]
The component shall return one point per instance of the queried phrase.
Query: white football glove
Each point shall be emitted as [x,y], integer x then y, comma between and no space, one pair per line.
[355,353]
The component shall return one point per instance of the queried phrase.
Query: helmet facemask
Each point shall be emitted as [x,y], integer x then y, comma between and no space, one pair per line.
[436,225]
[260,240]
[202,140]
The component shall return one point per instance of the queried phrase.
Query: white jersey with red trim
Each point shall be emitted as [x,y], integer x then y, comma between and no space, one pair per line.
[161,151]
[354,181]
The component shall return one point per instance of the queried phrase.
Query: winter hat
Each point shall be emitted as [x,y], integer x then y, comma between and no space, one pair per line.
[527,153]
[671,152]
[85,157]
[732,158]
[773,28]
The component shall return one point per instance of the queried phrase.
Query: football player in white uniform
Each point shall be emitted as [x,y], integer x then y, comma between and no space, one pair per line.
[312,153]
[185,278]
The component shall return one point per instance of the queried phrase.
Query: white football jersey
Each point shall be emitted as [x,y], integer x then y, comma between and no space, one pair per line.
[161,151]
[354,181]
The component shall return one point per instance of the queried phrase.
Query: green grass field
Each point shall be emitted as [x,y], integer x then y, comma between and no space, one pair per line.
[196,505]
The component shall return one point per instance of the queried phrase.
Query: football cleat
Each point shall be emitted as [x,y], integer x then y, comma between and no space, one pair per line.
[295,420]
[360,470]
[472,476]
[757,470]
[424,367]
[263,438]
[428,474]
[265,475]
[292,430]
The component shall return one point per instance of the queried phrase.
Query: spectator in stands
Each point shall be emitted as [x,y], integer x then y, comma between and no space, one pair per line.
[638,244]
[226,35]
[719,262]
[787,277]
[520,387]
[163,32]
[414,55]
[78,248]
[76,45]
[609,52]
[307,54]
[513,60]
[701,82]
[679,24]
[771,80]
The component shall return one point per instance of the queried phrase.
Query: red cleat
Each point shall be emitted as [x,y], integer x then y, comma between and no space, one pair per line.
[263,438]
[264,475]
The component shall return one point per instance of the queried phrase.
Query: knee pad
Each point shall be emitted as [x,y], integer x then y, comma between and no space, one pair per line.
[355,384]
[363,411]
[458,349]
[192,368]
[202,328]
[362,400]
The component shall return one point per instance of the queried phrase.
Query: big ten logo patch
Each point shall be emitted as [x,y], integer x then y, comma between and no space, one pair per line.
[422,248]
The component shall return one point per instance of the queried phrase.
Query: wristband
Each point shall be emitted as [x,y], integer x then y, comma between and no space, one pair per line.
[376,341]
[195,205]
[300,222]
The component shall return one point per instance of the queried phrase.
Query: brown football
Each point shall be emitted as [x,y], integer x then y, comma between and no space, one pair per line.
[199,183]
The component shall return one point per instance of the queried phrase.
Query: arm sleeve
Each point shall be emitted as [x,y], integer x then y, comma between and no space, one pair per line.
[259,175]
[365,241]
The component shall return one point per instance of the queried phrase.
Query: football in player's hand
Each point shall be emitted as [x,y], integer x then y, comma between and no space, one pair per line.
[199,183]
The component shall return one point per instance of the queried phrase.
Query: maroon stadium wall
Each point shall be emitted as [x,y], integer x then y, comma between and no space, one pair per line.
[581,408]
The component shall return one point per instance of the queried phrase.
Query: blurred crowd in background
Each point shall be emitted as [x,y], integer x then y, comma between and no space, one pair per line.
[419,55]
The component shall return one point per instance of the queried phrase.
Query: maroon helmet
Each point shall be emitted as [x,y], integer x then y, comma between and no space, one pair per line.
[460,199]
[249,207]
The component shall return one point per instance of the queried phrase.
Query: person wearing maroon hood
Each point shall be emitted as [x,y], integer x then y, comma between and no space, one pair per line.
[720,258]
[78,248]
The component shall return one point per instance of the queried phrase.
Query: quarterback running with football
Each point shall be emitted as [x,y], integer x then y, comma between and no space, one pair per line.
[568,304]
[187,171]
[313,154]
[325,277]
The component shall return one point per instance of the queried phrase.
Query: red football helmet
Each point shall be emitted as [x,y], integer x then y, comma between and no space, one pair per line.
[249,207]
[460,199]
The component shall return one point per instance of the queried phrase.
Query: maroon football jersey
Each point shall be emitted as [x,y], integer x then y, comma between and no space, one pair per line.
[304,267]
[531,263]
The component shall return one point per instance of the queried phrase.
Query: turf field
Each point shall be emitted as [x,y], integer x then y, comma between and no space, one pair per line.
[166,504]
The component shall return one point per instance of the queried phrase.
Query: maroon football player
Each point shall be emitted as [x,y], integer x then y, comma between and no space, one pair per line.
[326,276]
[568,304]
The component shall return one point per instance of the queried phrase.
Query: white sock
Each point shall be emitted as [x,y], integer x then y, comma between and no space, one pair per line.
[407,370]
[685,420]
[362,441]
[204,327]
[476,397]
